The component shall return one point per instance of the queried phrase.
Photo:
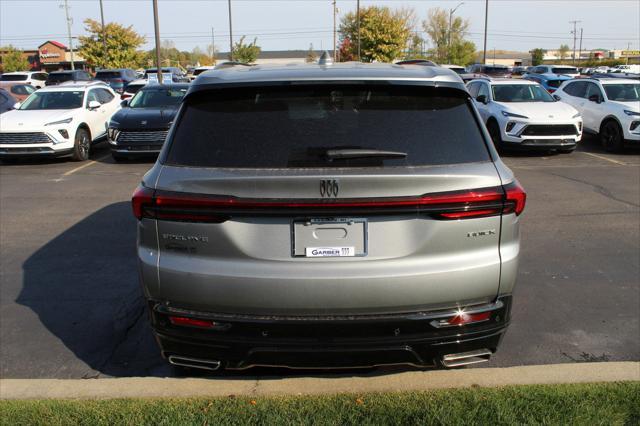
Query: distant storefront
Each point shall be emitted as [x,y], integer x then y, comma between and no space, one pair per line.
[55,56]
[50,56]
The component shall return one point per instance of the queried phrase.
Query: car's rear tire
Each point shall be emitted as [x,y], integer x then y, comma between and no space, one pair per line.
[611,136]
[81,145]
[494,132]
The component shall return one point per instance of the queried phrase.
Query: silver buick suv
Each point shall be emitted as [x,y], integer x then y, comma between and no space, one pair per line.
[327,216]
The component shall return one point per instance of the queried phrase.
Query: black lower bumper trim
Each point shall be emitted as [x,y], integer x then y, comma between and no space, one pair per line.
[323,344]
[33,152]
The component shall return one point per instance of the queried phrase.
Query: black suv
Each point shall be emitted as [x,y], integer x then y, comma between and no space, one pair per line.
[117,79]
[58,77]
[141,127]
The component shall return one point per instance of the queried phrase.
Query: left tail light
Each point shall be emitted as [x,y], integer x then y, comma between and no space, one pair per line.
[142,197]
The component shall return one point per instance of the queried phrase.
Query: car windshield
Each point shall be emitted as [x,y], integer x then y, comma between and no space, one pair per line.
[53,100]
[327,127]
[13,77]
[623,92]
[564,70]
[520,93]
[158,97]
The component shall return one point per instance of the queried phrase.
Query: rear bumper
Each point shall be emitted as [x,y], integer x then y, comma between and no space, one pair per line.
[325,342]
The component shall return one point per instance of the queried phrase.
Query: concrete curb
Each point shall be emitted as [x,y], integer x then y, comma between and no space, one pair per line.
[152,387]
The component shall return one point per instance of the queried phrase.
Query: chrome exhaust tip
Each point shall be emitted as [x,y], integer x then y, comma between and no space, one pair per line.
[203,364]
[466,358]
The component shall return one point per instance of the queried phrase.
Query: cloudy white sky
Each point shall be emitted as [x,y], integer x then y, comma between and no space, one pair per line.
[294,24]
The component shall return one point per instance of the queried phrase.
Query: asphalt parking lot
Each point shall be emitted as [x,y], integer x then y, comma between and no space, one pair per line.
[71,306]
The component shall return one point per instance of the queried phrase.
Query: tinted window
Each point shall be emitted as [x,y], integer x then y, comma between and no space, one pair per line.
[564,70]
[59,77]
[133,88]
[22,89]
[577,89]
[473,89]
[13,77]
[53,100]
[593,89]
[157,97]
[623,92]
[104,96]
[3,98]
[92,96]
[520,93]
[108,75]
[292,128]
[554,83]
[483,90]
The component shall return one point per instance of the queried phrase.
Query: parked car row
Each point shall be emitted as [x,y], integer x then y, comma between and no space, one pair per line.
[66,119]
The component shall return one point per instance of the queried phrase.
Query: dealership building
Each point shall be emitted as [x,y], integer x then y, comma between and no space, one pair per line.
[51,56]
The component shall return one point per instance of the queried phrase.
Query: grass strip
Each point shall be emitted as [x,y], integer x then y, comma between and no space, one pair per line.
[576,404]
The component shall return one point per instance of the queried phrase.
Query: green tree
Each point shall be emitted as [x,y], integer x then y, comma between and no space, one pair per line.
[563,52]
[415,49]
[247,53]
[122,46]
[13,60]
[537,56]
[311,55]
[448,38]
[384,34]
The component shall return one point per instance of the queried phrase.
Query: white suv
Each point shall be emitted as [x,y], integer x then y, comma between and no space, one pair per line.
[610,107]
[35,78]
[58,120]
[556,69]
[521,113]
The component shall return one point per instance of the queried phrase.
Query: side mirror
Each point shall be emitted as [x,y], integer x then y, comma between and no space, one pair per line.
[94,105]
[124,103]
[17,105]
[556,97]
[595,98]
[482,99]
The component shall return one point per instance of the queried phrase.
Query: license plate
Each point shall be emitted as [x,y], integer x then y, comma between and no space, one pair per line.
[329,237]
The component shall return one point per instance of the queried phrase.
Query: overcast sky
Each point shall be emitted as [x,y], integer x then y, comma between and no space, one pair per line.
[294,24]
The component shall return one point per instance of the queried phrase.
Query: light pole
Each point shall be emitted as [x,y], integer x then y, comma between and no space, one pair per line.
[230,34]
[486,20]
[104,38]
[451,12]
[358,25]
[156,25]
[69,20]
[335,11]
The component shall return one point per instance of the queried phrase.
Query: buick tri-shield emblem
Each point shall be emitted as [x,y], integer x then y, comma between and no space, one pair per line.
[329,188]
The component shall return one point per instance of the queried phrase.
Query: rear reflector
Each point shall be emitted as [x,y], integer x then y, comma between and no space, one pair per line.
[463,318]
[192,322]
[481,202]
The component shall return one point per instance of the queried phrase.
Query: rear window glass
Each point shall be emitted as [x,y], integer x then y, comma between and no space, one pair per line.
[564,70]
[293,128]
[13,77]
[60,77]
[554,83]
[108,74]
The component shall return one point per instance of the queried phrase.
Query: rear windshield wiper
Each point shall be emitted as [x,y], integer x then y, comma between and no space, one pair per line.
[337,154]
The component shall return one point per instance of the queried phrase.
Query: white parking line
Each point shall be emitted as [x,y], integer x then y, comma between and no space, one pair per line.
[84,166]
[602,157]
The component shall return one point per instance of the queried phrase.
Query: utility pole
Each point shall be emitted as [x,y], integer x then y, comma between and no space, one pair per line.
[358,25]
[213,48]
[104,38]
[335,12]
[486,20]
[575,34]
[69,21]
[230,34]
[580,50]
[156,25]
[451,12]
